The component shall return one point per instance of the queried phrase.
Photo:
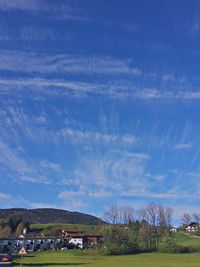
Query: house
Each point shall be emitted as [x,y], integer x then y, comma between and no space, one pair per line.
[80,238]
[78,241]
[72,232]
[173,230]
[94,239]
[85,240]
[192,227]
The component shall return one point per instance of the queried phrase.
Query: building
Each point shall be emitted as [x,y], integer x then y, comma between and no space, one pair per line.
[173,230]
[81,239]
[192,227]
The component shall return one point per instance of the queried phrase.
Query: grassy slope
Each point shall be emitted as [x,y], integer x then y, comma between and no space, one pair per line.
[187,240]
[52,226]
[93,259]
[71,258]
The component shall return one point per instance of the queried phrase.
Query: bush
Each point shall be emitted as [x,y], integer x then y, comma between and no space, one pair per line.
[167,245]
[119,240]
[182,249]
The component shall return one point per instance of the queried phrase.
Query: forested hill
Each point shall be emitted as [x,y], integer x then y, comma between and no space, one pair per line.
[48,215]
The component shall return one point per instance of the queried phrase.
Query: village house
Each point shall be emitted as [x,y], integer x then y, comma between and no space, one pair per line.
[173,230]
[192,227]
[81,239]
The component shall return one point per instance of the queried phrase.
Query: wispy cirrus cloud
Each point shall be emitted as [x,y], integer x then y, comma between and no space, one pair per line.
[51,87]
[4,197]
[46,164]
[185,146]
[97,136]
[20,168]
[54,10]
[24,5]
[168,78]
[66,63]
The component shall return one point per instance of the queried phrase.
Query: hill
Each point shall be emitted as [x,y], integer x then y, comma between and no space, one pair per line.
[48,215]
[188,240]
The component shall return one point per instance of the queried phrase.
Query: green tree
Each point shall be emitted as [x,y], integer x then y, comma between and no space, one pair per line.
[5,232]
[19,229]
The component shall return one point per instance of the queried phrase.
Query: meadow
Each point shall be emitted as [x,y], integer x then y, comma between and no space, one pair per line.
[188,240]
[52,227]
[93,259]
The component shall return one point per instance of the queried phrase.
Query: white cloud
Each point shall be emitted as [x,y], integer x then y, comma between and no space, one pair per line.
[185,146]
[21,169]
[45,164]
[42,87]
[67,195]
[9,158]
[41,120]
[168,78]
[4,197]
[113,173]
[34,178]
[102,193]
[65,63]
[34,33]
[77,136]
[24,5]
[158,178]
[75,200]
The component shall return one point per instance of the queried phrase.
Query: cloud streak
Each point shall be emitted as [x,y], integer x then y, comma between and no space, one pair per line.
[23,5]
[65,63]
[51,87]
[20,169]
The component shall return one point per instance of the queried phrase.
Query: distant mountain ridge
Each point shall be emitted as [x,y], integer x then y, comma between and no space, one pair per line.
[49,215]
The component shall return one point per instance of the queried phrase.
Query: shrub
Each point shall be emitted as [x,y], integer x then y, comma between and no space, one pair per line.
[167,245]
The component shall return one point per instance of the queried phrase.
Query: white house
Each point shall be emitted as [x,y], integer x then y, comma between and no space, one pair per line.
[192,227]
[78,241]
[173,230]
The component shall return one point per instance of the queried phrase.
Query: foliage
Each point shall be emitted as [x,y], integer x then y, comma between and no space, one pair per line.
[120,239]
[168,245]
[19,229]
[134,236]
[48,215]
[5,231]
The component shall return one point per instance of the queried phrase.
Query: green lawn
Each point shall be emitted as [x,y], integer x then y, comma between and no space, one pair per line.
[54,226]
[187,240]
[92,259]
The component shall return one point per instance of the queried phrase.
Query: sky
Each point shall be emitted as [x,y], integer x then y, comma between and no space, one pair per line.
[100,104]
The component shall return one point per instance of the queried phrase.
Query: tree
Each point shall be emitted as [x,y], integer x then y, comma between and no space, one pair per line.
[19,229]
[169,212]
[111,215]
[126,213]
[155,223]
[120,240]
[152,212]
[145,234]
[196,217]
[13,222]
[5,232]
[186,219]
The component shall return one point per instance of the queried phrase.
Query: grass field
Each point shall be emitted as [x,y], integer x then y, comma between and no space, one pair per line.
[92,259]
[54,226]
[187,240]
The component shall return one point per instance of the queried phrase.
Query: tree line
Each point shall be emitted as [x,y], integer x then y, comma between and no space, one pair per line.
[187,218]
[13,227]
[146,229]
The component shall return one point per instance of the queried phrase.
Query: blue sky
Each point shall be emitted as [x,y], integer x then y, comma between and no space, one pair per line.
[100,104]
